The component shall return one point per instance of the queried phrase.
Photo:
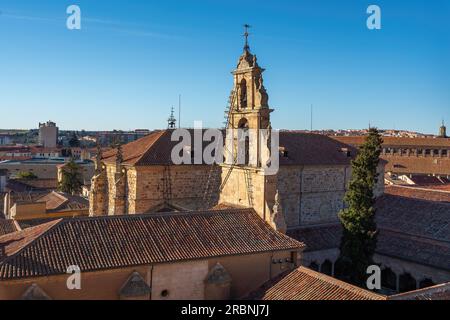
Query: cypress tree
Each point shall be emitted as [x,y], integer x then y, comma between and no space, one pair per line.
[359,238]
[71,180]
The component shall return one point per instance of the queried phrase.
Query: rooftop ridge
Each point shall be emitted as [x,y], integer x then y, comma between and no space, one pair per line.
[340,283]
[46,228]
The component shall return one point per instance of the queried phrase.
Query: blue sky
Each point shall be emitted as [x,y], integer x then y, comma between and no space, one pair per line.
[126,67]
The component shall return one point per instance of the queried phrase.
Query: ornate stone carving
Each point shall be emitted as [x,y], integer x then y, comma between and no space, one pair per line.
[278,221]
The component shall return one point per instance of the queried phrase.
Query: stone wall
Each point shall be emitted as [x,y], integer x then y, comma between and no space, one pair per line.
[312,194]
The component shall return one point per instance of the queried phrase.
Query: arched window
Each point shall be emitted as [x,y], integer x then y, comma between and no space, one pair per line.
[389,279]
[327,268]
[244,142]
[314,266]
[425,283]
[407,283]
[243,93]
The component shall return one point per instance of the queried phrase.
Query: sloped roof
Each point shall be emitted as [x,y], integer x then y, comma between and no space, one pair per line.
[306,284]
[418,193]
[124,241]
[59,201]
[302,149]
[409,229]
[8,226]
[438,292]
[399,141]
[314,149]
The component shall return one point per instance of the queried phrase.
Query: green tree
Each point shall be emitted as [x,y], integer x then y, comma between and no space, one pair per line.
[27,175]
[359,237]
[74,141]
[71,179]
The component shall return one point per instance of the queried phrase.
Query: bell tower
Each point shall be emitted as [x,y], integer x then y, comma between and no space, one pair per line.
[244,179]
[249,108]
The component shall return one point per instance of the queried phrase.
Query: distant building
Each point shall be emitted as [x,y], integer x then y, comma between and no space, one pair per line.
[30,206]
[443,131]
[48,134]
[3,179]
[5,140]
[426,156]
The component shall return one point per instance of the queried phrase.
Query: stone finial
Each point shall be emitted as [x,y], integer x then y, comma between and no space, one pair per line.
[278,221]
[98,159]
[34,292]
[119,155]
[218,275]
[135,287]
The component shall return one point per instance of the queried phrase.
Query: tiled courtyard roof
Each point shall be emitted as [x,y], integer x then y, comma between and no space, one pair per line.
[438,292]
[306,284]
[418,193]
[124,241]
[318,237]
[302,149]
[409,229]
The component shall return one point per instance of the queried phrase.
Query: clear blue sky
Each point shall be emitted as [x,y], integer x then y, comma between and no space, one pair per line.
[126,67]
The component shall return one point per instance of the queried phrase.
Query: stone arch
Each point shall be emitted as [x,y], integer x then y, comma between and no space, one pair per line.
[327,267]
[244,140]
[407,283]
[135,288]
[243,100]
[389,279]
[425,283]
[34,292]
[218,283]
[314,266]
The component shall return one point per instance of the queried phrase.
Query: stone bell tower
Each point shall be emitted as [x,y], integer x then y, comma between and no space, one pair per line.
[244,181]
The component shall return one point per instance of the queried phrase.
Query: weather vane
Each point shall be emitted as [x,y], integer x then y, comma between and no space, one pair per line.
[246,34]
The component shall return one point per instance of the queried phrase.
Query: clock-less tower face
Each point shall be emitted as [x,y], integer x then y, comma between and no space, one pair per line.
[249,108]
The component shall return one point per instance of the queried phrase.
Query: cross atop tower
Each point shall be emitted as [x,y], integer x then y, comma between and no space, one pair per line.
[246,34]
[171,122]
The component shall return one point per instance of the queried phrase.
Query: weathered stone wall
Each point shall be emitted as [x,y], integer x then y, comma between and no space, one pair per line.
[240,181]
[180,281]
[315,194]
[186,188]
[312,194]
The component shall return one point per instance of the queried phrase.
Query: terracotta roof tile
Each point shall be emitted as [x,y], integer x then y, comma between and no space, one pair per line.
[8,226]
[398,141]
[418,193]
[306,284]
[438,292]
[410,229]
[302,149]
[122,241]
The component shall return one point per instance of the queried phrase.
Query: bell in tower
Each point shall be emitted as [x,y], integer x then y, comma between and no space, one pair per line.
[249,110]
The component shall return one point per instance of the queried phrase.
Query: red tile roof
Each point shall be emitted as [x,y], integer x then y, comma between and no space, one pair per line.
[123,241]
[438,292]
[399,142]
[306,284]
[59,201]
[409,229]
[302,149]
[314,149]
[418,193]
